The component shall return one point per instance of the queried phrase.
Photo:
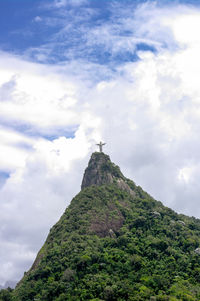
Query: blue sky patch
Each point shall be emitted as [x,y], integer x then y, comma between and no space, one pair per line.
[3,177]
[46,133]
[145,47]
[61,133]
[49,34]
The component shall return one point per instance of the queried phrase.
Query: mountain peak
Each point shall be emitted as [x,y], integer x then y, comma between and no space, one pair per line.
[101,171]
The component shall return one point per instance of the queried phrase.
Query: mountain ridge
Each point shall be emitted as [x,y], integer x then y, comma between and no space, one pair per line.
[115,242]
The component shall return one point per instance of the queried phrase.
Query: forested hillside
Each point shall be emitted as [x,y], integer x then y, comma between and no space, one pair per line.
[115,242]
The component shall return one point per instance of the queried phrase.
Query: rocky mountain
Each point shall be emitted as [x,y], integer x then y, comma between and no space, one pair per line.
[115,242]
[101,171]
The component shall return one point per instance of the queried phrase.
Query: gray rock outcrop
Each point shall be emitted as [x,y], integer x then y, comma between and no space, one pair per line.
[102,171]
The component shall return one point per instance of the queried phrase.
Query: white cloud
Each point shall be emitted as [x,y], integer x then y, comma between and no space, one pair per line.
[147,112]
[60,3]
[37,19]
[63,3]
[14,149]
[32,95]
[185,27]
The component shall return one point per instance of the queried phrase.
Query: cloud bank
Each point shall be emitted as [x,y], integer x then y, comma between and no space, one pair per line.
[143,100]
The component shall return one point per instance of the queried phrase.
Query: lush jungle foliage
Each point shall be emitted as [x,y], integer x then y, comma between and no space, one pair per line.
[110,245]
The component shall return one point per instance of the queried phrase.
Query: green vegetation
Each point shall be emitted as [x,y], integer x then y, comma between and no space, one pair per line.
[111,245]
[6,294]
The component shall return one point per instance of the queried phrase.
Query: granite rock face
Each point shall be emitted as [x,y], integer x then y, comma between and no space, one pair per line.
[102,171]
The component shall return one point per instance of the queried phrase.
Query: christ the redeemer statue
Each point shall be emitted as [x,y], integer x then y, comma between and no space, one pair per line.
[101,146]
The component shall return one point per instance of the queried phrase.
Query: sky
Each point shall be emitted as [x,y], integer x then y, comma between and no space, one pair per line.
[74,72]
